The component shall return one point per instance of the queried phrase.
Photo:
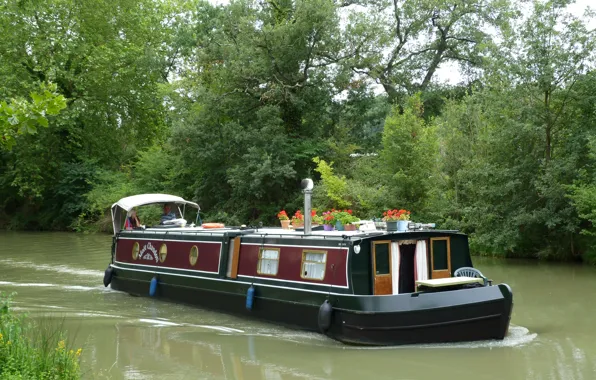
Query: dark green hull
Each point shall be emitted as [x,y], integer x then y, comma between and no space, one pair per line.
[451,316]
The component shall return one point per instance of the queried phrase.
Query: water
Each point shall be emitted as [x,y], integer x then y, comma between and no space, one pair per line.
[59,275]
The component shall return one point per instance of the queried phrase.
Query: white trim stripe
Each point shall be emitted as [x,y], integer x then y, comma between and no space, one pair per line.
[295,282]
[162,267]
[241,282]
[181,241]
[297,246]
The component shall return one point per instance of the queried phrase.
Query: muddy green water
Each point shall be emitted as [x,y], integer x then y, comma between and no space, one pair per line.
[59,275]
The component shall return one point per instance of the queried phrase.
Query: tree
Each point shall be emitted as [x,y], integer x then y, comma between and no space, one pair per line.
[400,44]
[409,156]
[258,98]
[20,116]
[108,59]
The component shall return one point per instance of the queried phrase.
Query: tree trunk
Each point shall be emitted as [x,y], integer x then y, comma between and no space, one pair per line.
[548,129]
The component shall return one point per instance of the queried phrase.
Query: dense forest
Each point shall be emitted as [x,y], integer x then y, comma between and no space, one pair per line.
[232,105]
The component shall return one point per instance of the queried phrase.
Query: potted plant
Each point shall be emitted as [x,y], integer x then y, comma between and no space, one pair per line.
[298,219]
[316,219]
[397,220]
[283,218]
[329,220]
[344,218]
[347,221]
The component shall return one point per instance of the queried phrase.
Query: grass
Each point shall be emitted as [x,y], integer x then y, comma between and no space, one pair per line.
[34,351]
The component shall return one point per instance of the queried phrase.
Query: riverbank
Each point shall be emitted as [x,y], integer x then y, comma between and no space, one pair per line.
[31,351]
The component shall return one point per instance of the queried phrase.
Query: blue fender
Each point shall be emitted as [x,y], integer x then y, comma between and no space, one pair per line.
[153,286]
[250,297]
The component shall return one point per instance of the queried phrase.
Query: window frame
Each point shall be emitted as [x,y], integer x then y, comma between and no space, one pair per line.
[190,256]
[304,252]
[163,252]
[136,249]
[261,258]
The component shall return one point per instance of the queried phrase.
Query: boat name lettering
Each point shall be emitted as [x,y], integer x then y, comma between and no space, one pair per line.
[147,255]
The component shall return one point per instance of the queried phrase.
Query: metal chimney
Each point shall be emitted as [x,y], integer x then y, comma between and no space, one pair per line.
[307,186]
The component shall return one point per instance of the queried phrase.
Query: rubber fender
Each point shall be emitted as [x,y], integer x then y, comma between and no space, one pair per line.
[250,297]
[107,276]
[153,286]
[325,313]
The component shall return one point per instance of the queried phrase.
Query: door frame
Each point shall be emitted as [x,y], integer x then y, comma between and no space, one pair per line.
[381,276]
[440,273]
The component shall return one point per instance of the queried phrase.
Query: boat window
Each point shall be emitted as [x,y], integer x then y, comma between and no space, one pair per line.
[194,255]
[313,264]
[440,254]
[268,261]
[163,252]
[135,250]
[382,258]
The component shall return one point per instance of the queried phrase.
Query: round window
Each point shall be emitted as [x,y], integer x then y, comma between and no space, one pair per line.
[163,252]
[194,255]
[135,250]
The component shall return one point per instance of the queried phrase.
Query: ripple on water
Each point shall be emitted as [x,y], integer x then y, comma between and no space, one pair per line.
[518,336]
[46,285]
[53,268]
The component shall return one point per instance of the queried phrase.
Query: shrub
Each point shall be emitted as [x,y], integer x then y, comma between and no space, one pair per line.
[25,355]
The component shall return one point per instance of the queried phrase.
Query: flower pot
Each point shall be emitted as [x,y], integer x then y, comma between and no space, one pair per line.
[391,225]
[350,227]
[285,224]
[298,224]
[339,226]
[402,225]
[327,227]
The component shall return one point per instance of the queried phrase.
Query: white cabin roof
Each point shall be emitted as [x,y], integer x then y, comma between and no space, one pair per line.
[131,202]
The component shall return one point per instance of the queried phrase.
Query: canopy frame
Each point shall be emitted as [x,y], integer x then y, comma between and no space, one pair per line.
[124,205]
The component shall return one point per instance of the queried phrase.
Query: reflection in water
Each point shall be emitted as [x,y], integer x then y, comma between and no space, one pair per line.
[124,337]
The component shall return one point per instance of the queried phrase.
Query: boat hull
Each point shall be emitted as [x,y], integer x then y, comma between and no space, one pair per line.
[451,316]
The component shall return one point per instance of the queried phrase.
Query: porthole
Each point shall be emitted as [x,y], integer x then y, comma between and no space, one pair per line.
[194,255]
[163,253]
[135,250]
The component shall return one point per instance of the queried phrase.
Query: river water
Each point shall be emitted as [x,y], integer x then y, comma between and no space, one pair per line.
[58,276]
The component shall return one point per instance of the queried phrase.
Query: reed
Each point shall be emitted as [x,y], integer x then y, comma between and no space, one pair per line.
[31,350]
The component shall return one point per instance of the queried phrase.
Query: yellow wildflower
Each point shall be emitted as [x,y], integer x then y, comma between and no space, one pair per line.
[8,343]
[71,352]
[61,345]
[0,337]
[79,351]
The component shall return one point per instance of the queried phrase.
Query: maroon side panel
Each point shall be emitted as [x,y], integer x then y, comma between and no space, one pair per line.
[290,264]
[178,256]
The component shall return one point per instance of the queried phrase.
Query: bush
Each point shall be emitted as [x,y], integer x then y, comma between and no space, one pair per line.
[25,355]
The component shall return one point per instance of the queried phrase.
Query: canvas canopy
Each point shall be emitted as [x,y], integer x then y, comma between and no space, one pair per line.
[124,205]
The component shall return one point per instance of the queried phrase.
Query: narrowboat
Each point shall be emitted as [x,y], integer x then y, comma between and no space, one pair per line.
[365,287]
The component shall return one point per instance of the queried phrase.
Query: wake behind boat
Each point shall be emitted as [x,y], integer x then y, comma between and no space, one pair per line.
[366,287]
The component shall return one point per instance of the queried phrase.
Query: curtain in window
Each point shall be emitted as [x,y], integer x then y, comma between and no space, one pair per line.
[313,266]
[268,262]
[395,258]
[421,261]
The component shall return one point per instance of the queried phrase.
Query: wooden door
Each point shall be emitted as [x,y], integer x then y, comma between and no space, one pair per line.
[233,257]
[382,267]
[440,257]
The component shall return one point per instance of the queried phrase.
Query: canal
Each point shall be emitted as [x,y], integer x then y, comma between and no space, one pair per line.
[58,277]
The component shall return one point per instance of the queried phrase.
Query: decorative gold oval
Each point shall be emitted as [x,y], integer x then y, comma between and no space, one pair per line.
[194,255]
[135,250]
[163,252]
